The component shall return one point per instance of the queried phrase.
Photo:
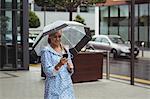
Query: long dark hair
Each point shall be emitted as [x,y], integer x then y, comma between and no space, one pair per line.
[49,40]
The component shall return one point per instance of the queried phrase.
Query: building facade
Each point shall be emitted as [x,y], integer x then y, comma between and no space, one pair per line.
[110,17]
[14,53]
[114,17]
[52,14]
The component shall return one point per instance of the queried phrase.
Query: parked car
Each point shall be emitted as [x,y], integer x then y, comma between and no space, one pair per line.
[9,40]
[113,43]
[32,55]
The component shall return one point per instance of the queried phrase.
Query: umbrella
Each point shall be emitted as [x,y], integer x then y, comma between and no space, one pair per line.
[75,36]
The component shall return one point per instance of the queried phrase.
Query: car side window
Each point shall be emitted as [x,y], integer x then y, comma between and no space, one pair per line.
[98,39]
[104,40]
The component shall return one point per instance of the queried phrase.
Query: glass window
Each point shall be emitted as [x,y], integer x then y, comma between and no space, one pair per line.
[8,4]
[117,40]
[7,47]
[113,29]
[84,9]
[19,4]
[91,9]
[136,33]
[11,32]
[98,39]
[37,8]
[143,24]
[104,40]
[3,28]
[123,21]
[104,20]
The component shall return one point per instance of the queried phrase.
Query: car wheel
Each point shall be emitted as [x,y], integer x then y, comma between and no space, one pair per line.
[34,59]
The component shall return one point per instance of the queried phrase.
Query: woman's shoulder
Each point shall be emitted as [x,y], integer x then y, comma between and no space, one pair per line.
[46,49]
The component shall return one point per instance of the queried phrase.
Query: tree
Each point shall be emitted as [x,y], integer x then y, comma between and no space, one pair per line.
[4,24]
[79,19]
[34,21]
[95,1]
[143,20]
[3,27]
[70,5]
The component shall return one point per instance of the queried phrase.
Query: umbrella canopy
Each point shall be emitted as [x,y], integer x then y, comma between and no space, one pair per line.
[75,36]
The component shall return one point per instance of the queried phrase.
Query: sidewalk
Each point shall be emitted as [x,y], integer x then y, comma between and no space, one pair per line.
[30,85]
[146,54]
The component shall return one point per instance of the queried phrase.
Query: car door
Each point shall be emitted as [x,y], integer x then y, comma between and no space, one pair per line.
[96,43]
[105,44]
[100,43]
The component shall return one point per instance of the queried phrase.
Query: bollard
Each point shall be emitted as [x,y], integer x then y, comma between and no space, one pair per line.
[107,66]
[142,44]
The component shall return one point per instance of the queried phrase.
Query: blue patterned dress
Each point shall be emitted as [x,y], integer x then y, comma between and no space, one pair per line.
[58,84]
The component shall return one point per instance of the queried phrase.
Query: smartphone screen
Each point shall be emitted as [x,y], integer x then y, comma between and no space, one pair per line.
[65,55]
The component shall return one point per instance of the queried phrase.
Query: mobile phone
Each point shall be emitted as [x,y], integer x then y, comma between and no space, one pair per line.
[65,55]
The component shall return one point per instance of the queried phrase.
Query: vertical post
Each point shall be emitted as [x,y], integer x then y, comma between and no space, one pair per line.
[25,30]
[107,66]
[44,14]
[97,21]
[32,5]
[70,16]
[70,10]
[78,10]
[132,41]
[45,3]
[142,49]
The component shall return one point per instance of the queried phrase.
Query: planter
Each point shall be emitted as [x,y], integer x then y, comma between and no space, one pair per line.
[88,66]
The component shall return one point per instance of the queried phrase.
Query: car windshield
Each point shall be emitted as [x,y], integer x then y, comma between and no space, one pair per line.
[117,40]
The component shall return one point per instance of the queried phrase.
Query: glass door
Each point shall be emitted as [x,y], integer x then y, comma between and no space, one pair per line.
[11,45]
[7,41]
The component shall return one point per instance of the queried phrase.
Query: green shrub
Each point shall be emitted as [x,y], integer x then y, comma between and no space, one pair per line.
[79,19]
[34,21]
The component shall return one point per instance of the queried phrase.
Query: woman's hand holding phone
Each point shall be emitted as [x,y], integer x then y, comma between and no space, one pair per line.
[65,55]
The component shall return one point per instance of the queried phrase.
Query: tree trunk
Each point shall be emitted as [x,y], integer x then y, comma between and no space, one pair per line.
[70,15]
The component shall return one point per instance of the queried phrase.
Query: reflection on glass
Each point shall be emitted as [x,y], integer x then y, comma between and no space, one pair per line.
[123,21]
[104,20]
[143,25]
[117,40]
[113,23]
[3,28]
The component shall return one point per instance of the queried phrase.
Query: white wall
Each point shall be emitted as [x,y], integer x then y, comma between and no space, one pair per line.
[53,16]
[96,20]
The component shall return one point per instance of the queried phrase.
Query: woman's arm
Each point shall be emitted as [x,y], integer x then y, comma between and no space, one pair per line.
[47,63]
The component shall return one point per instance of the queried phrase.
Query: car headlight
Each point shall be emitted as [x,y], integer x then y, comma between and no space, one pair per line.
[126,50]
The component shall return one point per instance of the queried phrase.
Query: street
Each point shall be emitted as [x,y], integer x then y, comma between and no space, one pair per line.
[121,66]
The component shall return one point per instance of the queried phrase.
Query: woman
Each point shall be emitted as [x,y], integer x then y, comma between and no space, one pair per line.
[58,69]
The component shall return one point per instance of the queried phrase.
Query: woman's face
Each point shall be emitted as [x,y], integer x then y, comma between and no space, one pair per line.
[56,38]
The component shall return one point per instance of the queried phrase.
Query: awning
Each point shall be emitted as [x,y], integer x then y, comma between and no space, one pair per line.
[121,2]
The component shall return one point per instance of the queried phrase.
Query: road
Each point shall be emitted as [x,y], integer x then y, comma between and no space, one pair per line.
[121,66]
